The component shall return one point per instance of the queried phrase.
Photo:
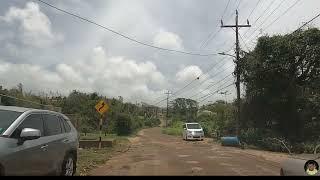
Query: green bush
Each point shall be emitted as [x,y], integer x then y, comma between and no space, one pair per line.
[152,122]
[124,125]
[138,122]
[177,124]
[207,128]
[175,128]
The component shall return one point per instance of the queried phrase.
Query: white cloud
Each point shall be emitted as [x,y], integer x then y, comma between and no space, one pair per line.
[111,76]
[33,77]
[34,25]
[188,74]
[167,39]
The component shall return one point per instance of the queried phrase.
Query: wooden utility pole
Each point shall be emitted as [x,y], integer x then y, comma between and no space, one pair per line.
[237,71]
[167,113]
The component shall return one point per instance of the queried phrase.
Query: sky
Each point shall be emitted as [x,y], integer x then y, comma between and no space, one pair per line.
[47,50]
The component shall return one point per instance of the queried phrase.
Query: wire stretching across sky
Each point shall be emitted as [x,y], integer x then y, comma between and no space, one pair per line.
[276,19]
[205,98]
[206,79]
[225,82]
[284,13]
[122,35]
[212,85]
[260,16]
[211,35]
[265,20]
[317,16]
[178,92]
[255,7]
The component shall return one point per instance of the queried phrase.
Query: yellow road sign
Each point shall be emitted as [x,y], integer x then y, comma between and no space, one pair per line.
[102,107]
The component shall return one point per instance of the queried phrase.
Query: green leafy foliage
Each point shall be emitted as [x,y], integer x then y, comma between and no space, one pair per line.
[79,107]
[124,124]
[282,79]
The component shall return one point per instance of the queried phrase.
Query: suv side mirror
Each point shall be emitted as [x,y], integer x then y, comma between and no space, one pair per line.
[29,134]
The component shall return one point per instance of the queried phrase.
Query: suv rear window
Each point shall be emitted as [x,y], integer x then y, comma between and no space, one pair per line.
[65,125]
[52,125]
[7,118]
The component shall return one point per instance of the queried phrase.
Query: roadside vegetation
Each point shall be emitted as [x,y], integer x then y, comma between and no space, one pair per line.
[122,119]
[175,129]
[89,159]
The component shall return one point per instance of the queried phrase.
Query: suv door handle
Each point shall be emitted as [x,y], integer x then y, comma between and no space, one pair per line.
[44,147]
[65,140]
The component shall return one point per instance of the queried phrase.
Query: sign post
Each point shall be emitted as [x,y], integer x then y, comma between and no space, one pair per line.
[102,108]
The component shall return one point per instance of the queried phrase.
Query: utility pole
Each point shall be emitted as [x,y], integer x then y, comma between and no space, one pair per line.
[167,114]
[237,71]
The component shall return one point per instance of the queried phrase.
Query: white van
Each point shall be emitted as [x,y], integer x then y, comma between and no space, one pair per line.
[192,131]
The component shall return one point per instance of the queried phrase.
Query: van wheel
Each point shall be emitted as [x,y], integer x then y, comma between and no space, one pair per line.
[69,165]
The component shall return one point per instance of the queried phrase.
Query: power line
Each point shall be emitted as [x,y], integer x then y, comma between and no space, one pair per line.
[238,4]
[210,86]
[210,69]
[307,23]
[260,15]
[218,87]
[216,92]
[207,71]
[245,45]
[210,37]
[276,19]
[185,86]
[176,92]
[285,12]
[265,20]
[204,96]
[225,9]
[254,9]
[236,7]
[122,35]
[201,99]
[206,79]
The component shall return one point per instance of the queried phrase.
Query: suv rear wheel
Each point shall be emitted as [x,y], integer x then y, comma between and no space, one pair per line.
[69,165]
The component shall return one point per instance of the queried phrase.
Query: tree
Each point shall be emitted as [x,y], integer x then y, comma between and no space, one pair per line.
[282,76]
[185,108]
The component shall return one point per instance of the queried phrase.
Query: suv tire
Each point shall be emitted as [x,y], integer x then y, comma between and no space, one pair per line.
[69,165]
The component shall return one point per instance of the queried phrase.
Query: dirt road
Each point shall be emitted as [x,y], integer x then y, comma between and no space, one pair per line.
[153,153]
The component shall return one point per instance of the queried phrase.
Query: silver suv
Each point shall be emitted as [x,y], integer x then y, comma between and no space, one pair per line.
[36,142]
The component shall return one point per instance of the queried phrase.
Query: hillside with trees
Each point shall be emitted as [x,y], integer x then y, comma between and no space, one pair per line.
[123,118]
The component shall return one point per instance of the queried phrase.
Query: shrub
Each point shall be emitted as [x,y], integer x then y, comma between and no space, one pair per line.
[207,128]
[124,125]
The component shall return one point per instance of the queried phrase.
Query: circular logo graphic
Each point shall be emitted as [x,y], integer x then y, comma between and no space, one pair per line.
[311,167]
